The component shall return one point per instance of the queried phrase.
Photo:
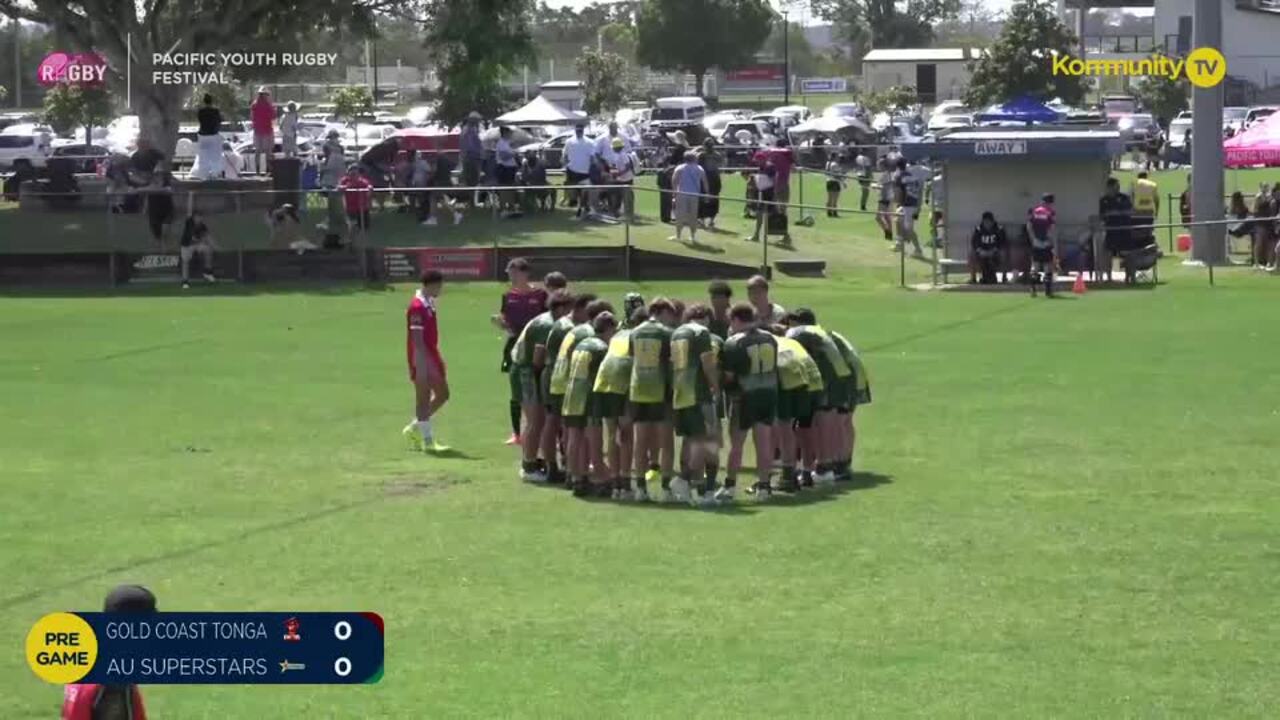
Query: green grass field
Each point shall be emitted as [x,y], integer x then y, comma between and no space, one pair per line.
[1063,509]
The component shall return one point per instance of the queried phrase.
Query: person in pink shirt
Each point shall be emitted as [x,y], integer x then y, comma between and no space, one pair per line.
[263,114]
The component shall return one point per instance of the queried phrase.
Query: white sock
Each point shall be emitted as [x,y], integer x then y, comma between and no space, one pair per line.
[424,427]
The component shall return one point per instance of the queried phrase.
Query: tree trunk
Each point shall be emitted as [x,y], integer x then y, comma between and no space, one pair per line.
[158,108]
[698,77]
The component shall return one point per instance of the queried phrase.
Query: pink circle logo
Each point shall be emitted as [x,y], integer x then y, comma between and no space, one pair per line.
[79,68]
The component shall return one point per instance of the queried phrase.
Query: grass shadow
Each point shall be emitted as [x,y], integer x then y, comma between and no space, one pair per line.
[861,480]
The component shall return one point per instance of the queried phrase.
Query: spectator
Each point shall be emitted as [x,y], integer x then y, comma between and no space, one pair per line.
[441,181]
[196,240]
[289,130]
[401,174]
[764,182]
[908,189]
[709,207]
[606,142]
[938,209]
[679,146]
[597,176]
[1042,231]
[471,151]
[357,195]
[379,162]
[689,181]
[1116,211]
[986,249]
[1264,236]
[578,154]
[1146,208]
[333,160]
[783,159]
[419,180]
[665,197]
[209,160]
[1155,143]
[505,165]
[262,113]
[1184,203]
[624,169]
[159,195]
[835,183]
[862,170]
[884,206]
[286,229]
[534,175]
[144,162]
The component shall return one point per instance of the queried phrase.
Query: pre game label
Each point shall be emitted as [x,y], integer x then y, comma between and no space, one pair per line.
[208,648]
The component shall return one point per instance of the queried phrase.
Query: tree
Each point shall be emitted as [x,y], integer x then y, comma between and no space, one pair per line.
[1163,96]
[605,84]
[974,25]
[694,36]
[892,100]
[475,45]
[803,60]
[868,24]
[71,105]
[230,97]
[209,26]
[4,92]
[1020,62]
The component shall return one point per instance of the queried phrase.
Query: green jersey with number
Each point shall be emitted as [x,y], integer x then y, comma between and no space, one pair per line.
[689,386]
[555,338]
[650,362]
[861,384]
[752,357]
[614,377]
[533,335]
[560,373]
[818,343]
[584,366]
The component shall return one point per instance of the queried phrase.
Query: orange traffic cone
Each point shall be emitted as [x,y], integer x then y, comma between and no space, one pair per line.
[1078,286]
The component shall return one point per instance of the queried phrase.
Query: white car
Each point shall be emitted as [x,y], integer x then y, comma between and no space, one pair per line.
[948,122]
[15,147]
[799,112]
[1258,114]
[369,135]
[847,109]
[952,107]
[420,115]
[715,123]
[1234,117]
[1178,128]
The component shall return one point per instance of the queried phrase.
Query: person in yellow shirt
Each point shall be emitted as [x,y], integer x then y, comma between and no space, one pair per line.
[1146,208]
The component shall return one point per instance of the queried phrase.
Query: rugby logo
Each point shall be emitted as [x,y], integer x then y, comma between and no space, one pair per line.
[156,262]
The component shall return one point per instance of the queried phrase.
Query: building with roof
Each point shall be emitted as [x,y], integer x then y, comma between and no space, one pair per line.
[1006,170]
[937,74]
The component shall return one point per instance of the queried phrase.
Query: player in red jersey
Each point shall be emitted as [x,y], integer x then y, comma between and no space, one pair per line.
[426,366]
[84,701]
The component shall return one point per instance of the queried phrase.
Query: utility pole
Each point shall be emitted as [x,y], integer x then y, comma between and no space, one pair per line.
[786,60]
[17,64]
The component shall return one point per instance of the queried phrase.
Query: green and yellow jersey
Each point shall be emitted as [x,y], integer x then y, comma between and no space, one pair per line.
[564,356]
[650,362]
[534,334]
[752,357]
[861,382]
[584,367]
[614,377]
[690,343]
[796,369]
[818,343]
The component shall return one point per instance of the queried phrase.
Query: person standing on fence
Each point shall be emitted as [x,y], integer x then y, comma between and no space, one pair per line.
[262,113]
[579,152]
[471,152]
[689,181]
[209,160]
[289,130]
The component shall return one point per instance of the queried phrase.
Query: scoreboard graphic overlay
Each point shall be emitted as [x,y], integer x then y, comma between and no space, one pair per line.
[175,648]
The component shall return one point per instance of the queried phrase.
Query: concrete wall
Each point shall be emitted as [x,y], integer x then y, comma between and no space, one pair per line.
[1009,188]
[1251,38]
[953,76]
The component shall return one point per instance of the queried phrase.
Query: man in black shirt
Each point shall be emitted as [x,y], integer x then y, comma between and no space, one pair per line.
[209,159]
[985,249]
[1116,210]
[143,162]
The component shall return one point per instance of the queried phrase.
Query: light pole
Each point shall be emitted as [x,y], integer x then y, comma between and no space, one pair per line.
[786,60]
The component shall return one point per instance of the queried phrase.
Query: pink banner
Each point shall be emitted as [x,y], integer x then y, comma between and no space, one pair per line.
[78,68]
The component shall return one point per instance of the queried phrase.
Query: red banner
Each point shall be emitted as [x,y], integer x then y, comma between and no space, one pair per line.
[461,263]
[755,72]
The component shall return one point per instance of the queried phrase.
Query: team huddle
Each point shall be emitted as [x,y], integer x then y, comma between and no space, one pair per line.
[600,396]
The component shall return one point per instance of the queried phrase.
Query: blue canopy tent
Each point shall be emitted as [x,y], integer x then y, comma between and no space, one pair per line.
[1023,110]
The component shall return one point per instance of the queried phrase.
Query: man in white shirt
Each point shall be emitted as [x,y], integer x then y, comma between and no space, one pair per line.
[623,168]
[605,143]
[578,151]
[289,130]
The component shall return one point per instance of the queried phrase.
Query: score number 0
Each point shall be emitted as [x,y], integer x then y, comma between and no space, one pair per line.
[342,631]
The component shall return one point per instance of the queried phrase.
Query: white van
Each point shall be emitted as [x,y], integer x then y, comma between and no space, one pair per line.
[678,112]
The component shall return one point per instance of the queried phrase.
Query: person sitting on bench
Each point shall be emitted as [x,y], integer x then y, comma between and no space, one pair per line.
[986,249]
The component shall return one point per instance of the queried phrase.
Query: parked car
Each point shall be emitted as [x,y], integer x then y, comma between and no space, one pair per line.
[901,131]
[15,147]
[1137,128]
[799,112]
[845,109]
[86,156]
[673,113]
[369,135]
[1117,106]
[1258,114]
[949,121]
[952,107]
[552,149]
[715,123]
[1234,117]
[1178,128]
[760,132]
[420,115]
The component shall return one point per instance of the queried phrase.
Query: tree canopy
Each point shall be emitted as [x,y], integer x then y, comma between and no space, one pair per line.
[695,36]
[605,85]
[1020,62]
[475,45]
[866,24]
